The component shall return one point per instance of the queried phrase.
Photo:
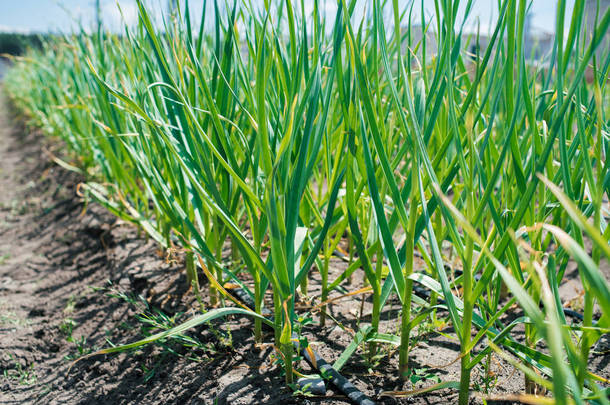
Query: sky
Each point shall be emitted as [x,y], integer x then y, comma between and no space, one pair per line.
[62,15]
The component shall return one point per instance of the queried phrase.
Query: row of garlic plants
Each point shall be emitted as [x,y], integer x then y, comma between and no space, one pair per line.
[283,134]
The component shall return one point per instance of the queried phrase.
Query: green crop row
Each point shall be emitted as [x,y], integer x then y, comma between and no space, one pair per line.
[287,136]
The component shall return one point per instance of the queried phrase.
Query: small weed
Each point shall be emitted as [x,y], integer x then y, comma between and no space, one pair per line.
[225,338]
[67,329]
[372,362]
[67,326]
[70,305]
[24,375]
[81,348]
[152,320]
[10,318]
[424,329]
[4,258]
[422,374]
[486,382]
[298,391]
[18,208]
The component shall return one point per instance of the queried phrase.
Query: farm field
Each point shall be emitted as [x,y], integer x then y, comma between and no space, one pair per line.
[56,255]
[277,205]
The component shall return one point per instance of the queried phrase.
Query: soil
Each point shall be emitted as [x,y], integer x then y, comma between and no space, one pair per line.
[73,278]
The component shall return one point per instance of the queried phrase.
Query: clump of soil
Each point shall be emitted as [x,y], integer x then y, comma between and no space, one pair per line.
[73,279]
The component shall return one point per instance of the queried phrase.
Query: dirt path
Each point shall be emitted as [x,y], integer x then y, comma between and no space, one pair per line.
[49,255]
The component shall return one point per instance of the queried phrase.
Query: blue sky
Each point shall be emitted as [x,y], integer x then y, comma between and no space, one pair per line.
[60,15]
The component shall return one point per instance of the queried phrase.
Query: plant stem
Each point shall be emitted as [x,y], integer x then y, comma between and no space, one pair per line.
[191,272]
[287,351]
[324,297]
[467,279]
[258,306]
[376,284]
[585,343]
[405,331]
